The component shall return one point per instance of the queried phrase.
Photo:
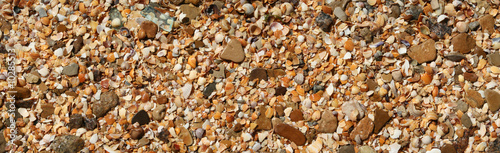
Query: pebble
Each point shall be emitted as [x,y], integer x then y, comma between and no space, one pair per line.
[159,112]
[67,144]
[327,123]
[108,101]
[397,76]
[191,11]
[47,110]
[426,140]
[349,45]
[347,149]
[186,90]
[71,70]
[353,110]
[32,78]
[493,99]
[487,23]
[455,57]
[448,148]
[380,119]
[290,133]
[339,13]
[163,135]
[296,115]
[90,123]
[199,133]
[136,133]
[141,117]
[21,93]
[209,89]
[116,22]
[324,21]
[185,136]
[494,59]
[462,26]
[176,2]
[258,73]
[474,98]
[363,129]
[424,52]
[372,2]
[44,72]
[466,121]
[299,78]
[462,106]
[494,146]
[474,25]
[366,149]
[150,29]
[463,43]
[233,52]
[75,121]
[78,44]
[41,12]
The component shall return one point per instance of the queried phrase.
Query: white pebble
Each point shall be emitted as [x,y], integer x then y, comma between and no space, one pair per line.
[44,72]
[59,52]
[219,38]
[300,38]
[426,140]
[93,139]
[116,22]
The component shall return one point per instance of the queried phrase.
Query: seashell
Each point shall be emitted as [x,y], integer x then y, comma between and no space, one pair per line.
[442,18]
[286,8]
[124,32]
[254,29]
[276,26]
[424,30]
[275,11]
[248,8]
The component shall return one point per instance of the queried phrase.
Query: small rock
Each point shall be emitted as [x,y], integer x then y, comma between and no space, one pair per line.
[209,89]
[463,43]
[61,28]
[347,149]
[67,144]
[162,99]
[424,52]
[474,25]
[78,44]
[163,135]
[90,123]
[455,57]
[324,21]
[296,115]
[339,13]
[186,136]
[116,22]
[349,45]
[493,99]
[353,110]
[372,2]
[474,99]
[494,146]
[75,121]
[142,142]
[263,123]
[494,59]
[290,133]
[435,4]
[415,11]
[470,76]
[462,27]
[41,12]
[328,122]
[397,76]
[150,29]
[194,2]
[395,11]
[191,11]
[380,119]
[108,101]
[387,78]
[466,121]
[258,73]
[199,133]
[366,149]
[233,52]
[363,129]
[21,93]
[448,148]
[32,78]
[159,112]
[47,110]
[299,78]
[141,117]
[71,70]
[280,91]
[487,23]
[136,133]
[462,106]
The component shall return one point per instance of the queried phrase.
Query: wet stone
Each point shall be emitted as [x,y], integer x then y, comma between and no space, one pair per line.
[363,129]
[141,117]
[209,89]
[280,91]
[67,144]
[455,57]
[21,93]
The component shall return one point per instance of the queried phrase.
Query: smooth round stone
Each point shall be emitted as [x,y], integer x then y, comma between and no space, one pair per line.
[116,22]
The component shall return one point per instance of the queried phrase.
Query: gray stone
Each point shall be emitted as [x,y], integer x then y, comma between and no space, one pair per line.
[494,59]
[462,106]
[41,12]
[466,121]
[108,101]
[71,70]
[347,149]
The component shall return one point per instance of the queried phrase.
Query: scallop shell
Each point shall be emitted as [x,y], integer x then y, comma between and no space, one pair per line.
[248,8]
[254,29]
